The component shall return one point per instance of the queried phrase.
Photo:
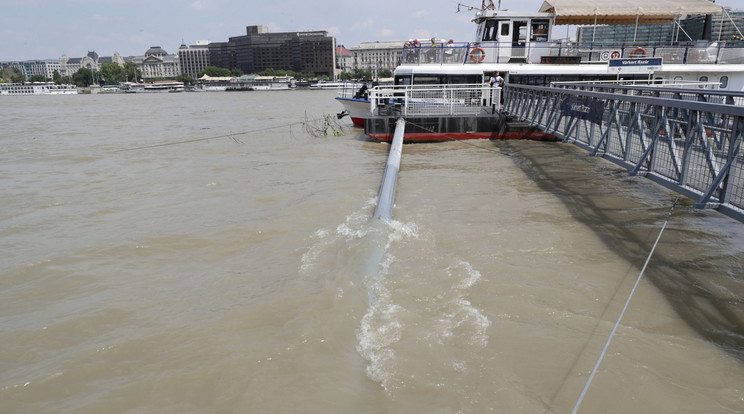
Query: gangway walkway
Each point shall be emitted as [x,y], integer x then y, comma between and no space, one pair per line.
[686,139]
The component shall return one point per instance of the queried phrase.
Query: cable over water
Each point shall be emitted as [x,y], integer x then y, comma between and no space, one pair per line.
[324,124]
[625,307]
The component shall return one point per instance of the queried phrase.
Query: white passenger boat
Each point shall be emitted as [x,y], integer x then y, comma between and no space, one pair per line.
[16,89]
[522,48]
[261,83]
[335,85]
[163,86]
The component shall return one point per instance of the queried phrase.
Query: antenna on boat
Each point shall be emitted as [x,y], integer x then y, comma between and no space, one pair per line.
[485,5]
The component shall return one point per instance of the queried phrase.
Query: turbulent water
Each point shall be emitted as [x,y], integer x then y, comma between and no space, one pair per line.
[203,252]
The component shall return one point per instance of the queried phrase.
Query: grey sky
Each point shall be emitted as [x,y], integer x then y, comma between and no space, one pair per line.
[47,29]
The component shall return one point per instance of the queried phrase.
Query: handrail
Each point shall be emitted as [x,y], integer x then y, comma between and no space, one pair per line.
[444,99]
[692,91]
[720,52]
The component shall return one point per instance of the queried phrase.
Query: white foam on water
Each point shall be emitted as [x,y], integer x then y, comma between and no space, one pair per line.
[400,231]
[353,227]
[402,313]
[456,313]
[442,318]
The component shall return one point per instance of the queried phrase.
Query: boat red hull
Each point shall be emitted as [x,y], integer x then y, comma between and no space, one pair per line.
[457,136]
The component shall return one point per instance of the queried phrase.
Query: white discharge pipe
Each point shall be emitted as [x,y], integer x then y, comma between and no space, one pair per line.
[385,201]
[378,234]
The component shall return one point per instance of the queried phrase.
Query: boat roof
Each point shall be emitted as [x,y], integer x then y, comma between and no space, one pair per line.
[549,69]
[513,68]
[613,12]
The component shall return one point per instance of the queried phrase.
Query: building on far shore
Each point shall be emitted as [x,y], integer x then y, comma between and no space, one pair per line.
[194,59]
[68,66]
[157,63]
[343,59]
[30,68]
[376,56]
[258,50]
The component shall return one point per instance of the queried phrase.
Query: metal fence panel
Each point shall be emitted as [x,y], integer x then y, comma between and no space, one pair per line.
[678,138]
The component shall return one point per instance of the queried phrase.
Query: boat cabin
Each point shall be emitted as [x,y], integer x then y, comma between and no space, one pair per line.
[515,38]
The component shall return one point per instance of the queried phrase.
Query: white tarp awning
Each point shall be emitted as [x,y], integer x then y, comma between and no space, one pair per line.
[625,11]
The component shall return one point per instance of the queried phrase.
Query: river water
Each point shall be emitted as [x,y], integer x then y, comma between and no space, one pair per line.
[202,252]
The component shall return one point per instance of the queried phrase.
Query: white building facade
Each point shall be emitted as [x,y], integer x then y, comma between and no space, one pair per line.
[376,56]
[193,59]
[157,63]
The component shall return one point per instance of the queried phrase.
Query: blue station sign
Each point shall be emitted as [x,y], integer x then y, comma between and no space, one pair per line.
[634,65]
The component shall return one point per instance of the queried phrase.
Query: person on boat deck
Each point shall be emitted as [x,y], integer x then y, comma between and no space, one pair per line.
[449,51]
[433,49]
[361,93]
[412,51]
[496,80]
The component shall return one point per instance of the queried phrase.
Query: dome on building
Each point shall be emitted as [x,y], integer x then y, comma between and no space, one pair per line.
[155,51]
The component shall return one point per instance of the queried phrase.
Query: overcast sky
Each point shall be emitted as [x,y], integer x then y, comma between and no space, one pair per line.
[48,29]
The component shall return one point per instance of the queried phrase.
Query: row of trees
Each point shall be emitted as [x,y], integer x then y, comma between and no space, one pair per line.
[215,71]
[11,75]
[365,74]
[109,74]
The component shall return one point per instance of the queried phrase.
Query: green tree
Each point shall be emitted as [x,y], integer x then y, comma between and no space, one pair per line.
[59,79]
[269,72]
[385,73]
[346,76]
[214,71]
[131,72]
[186,79]
[38,78]
[83,77]
[362,74]
[111,73]
[284,72]
[11,75]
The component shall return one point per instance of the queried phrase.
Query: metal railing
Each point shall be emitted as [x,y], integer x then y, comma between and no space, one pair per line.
[533,52]
[690,146]
[425,100]
[667,89]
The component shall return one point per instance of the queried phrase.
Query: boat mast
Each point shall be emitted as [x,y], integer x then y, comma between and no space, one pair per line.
[485,5]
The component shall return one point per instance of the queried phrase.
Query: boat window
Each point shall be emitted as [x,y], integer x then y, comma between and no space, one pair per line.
[490,32]
[703,79]
[519,37]
[505,29]
[724,82]
[464,79]
[539,31]
[427,80]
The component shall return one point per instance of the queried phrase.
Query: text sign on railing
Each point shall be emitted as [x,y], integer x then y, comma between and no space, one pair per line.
[643,65]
